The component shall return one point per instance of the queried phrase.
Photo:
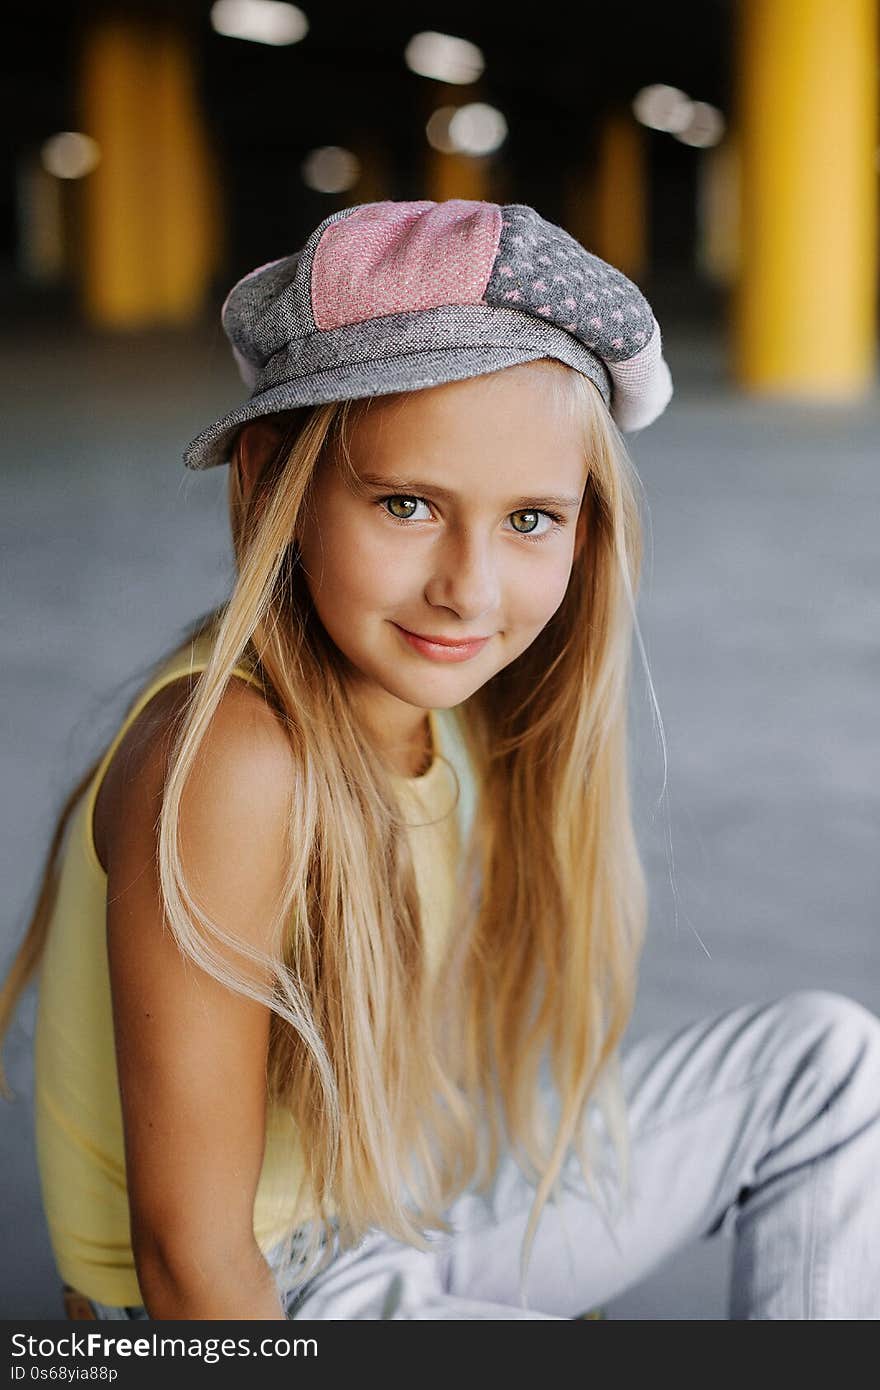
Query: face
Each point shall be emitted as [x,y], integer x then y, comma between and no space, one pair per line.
[468,529]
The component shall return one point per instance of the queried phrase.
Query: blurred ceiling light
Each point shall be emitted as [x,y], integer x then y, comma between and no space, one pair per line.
[444,58]
[705,127]
[261,21]
[477,129]
[330,169]
[70,155]
[437,130]
[662,108]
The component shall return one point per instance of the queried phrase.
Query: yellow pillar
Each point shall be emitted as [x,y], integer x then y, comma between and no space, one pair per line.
[577,205]
[454,175]
[41,202]
[719,253]
[116,252]
[457,176]
[151,227]
[805,307]
[620,216]
[188,223]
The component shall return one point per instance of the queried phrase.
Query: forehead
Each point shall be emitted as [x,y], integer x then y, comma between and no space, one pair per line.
[519,413]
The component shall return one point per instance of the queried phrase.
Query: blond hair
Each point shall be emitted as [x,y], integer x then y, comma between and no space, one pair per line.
[404,1089]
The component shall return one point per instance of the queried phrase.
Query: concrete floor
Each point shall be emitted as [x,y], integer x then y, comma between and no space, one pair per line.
[760,613]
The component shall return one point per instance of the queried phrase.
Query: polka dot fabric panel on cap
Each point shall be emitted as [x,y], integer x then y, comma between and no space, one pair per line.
[542,270]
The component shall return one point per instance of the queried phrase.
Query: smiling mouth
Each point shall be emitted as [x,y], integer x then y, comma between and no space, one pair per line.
[441,649]
[446,641]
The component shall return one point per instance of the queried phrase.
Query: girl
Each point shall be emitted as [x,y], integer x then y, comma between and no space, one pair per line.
[339,939]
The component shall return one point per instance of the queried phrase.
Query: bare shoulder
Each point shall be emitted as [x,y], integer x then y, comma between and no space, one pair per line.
[244,766]
[238,800]
[191,1051]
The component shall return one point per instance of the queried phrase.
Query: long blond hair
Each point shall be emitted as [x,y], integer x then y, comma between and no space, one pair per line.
[404,1089]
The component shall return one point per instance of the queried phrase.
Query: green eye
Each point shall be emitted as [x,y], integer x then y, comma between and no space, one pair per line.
[395,499]
[406,501]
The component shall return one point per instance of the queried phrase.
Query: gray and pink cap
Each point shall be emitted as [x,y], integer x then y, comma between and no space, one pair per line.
[397,296]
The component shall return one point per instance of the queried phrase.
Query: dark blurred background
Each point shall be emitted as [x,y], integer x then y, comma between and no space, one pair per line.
[206,137]
[725,155]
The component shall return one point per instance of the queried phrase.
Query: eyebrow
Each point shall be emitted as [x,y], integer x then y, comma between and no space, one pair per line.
[412,487]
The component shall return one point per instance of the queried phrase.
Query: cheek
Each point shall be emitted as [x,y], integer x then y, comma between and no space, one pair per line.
[539,594]
[351,567]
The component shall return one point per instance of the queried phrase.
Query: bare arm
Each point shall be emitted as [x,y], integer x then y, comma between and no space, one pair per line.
[191,1053]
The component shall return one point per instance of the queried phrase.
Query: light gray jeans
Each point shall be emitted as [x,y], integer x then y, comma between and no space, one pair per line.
[762,1121]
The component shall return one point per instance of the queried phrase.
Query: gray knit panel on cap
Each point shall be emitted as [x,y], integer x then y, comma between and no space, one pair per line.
[540,269]
[247,304]
[291,316]
[383,341]
[273,304]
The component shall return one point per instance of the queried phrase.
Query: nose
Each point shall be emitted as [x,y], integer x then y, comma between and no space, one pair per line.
[465,577]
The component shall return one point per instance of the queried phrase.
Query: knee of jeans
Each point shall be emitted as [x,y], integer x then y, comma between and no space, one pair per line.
[841,1029]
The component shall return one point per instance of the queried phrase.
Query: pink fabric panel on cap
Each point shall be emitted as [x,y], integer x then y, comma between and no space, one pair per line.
[392,257]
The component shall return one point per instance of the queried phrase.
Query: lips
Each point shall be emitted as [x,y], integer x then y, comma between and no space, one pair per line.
[445,641]
[440,648]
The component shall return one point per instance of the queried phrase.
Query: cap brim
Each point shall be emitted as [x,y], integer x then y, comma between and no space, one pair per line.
[414,372]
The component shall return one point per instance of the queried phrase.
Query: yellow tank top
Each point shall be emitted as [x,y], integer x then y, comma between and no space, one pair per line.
[78,1117]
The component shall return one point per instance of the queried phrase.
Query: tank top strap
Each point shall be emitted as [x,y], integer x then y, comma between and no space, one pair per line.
[454,749]
[191,658]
